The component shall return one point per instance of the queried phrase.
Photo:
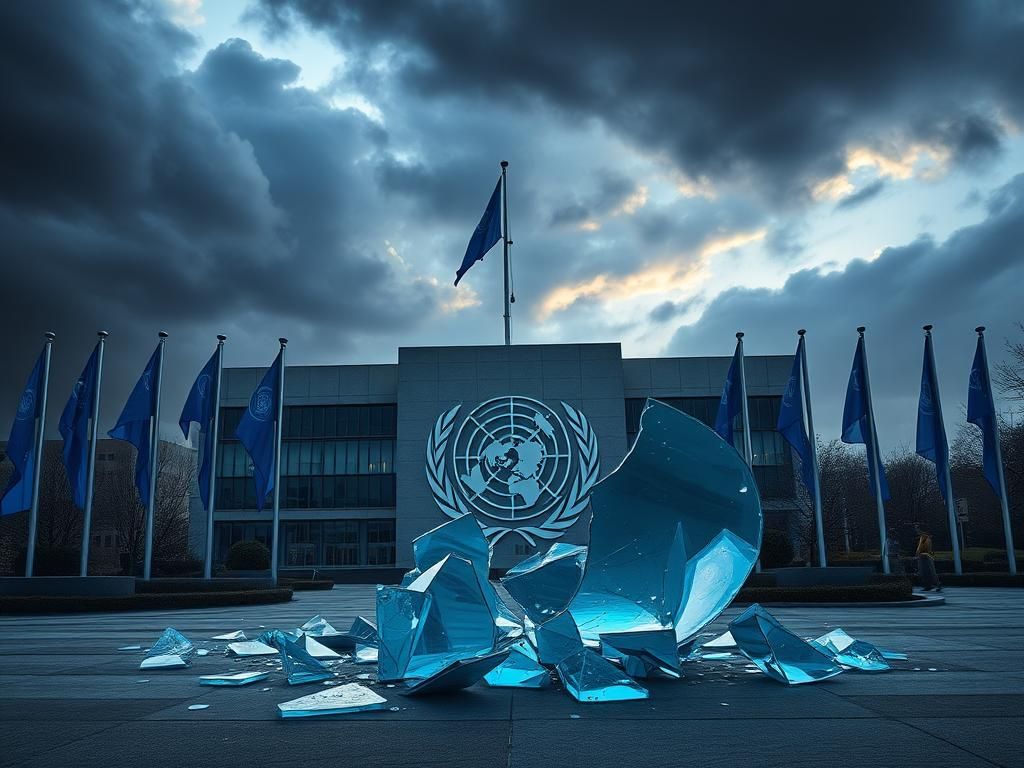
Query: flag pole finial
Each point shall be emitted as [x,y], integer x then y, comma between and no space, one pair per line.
[221,337]
[102,334]
[861,329]
[504,163]
[928,328]
[801,332]
[739,334]
[980,330]
[163,334]
[50,335]
[283,341]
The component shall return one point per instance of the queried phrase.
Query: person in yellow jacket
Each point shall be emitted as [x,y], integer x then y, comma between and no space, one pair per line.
[926,560]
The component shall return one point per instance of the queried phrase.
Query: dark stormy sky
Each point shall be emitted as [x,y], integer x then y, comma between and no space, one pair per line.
[679,171]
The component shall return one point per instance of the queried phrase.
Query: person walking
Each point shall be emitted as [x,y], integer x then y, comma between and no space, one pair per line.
[892,551]
[926,560]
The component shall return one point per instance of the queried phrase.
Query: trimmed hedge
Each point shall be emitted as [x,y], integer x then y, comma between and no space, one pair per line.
[248,556]
[141,602]
[193,586]
[979,580]
[898,590]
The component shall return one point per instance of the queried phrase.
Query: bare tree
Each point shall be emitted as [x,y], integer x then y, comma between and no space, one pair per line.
[1010,373]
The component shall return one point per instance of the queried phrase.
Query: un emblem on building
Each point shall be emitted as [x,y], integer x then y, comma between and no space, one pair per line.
[513,465]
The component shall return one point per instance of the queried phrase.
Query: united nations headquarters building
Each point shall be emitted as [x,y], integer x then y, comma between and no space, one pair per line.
[374,455]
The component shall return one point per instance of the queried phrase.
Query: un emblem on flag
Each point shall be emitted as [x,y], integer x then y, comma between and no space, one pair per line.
[513,465]
[26,406]
[261,403]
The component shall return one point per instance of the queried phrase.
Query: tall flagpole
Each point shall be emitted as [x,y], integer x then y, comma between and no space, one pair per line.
[818,516]
[879,505]
[214,435]
[277,463]
[83,569]
[33,515]
[748,454]
[1011,553]
[505,244]
[937,405]
[154,461]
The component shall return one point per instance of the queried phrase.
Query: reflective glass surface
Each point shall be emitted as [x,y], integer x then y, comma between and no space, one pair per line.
[778,652]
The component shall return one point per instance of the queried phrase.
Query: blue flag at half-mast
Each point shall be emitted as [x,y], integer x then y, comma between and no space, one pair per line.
[731,404]
[256,430]
[931,433]
[133,425]
[18,495]
[487,233]
[791,422]
[981,411]
[201,408]
[74,428]
[856,415]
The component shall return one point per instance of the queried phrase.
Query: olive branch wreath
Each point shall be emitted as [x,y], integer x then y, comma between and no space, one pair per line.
[565,513]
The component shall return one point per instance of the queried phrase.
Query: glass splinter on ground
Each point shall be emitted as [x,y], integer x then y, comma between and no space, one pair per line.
[339,700]
[852,653]
[233,678]
[171,651]
[239,635]
[778,652]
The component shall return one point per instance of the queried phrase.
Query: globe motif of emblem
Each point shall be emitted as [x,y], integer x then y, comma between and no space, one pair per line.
[26,406]
[512,458]
[261,403]
[203,384]
[515,466]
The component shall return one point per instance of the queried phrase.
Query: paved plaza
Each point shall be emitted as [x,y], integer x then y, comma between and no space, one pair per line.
[68,697]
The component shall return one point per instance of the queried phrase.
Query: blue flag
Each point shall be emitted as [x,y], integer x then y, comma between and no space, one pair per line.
[18,495]
[201,407]
[791,422]
[256,430]
[931,434]
[981,410]
[133,424]
[487,233]
[74,428]
[731,403]
[855,419]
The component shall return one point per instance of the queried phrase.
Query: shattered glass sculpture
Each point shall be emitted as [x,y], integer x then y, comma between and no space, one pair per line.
[337,700]
[462,537]
[300,667]
[778,652]
[233,678]
[644,653]
[520,670]
[544,584]
[400,615]
[590,678]
[556,639]
[171,651]
[318,626]
[460,674]
[850,652]
[680,490]
[251,648]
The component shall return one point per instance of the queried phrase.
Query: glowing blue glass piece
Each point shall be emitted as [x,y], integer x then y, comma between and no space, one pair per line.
[544,584]
[400,614]
[460,674]
[557,638]
[277,637]
[588,677]
[644,653]
[171,650]
[318,626]
[299,666]
[678,491]
[462,537]
[233,678]
[778,652]
[852,653]
[520,670]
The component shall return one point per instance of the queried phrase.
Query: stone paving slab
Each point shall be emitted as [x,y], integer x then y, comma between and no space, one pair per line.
[68,697]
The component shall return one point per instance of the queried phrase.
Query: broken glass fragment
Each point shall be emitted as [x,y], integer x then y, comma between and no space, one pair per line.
[850,652]
[520,670]
[233,678]
[196,707]
[462,537]
[892,655]
[171,651]
[239,635]
[460,674]
[130,648]
[681,489]
[251,648]
[544,584]
[277,637]
[557,638]
[362,631]
[778,652]
[590,678]
[644,653]
[317,650]
[400,614]
[300,666]
[366,654]
[724,640]
[337,700]
[318,626]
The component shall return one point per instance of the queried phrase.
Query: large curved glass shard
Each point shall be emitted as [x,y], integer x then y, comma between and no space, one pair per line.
[520,670]
[713,576]
[400,614]
[778,652]
[460,674]
[589,678]
[544,584]
[644,653]
[172,650]
[557,638]
[679,489]
[852,653]
[461,536]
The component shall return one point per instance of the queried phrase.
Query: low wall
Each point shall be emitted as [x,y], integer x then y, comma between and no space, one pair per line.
[810,576]
[67,586]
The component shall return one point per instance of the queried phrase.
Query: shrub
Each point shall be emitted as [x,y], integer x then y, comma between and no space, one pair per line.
[776,549]
[50,562]
[141,602]
[248,556]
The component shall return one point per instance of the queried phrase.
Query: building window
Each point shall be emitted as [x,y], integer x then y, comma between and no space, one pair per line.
[227,534]
[338,543]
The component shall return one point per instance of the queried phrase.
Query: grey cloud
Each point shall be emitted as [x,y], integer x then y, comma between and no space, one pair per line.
[669,310]
[862,195]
